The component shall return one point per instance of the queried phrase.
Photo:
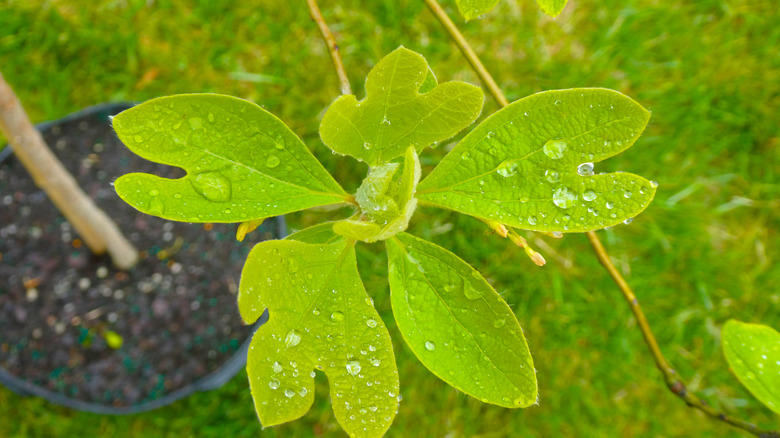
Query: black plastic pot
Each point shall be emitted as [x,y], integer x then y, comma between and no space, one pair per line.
[274,227]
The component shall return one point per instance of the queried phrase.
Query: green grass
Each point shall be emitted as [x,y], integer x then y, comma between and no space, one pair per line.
[704,251]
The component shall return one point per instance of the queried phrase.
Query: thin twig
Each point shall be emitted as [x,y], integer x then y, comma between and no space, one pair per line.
[333,48]
[97,230]
[670,375]
[467,51]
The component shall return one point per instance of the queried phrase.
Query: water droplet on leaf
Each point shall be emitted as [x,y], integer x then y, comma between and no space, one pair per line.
[552,176]
[564,198]
[555,148]
[292,339]
[507,169]
[156,207]
[272,161]
[589,195]
[470,291]
[585,169]
[195,122]
[212,186]
[337,316]
[430,346]
[353,367]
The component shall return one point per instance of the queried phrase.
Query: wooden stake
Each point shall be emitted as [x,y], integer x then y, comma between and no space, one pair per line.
[97,230]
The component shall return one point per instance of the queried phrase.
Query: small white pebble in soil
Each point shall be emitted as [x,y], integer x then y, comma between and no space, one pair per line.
[195,305]
[37,333]
[84,283]
[102,272]
[119,294]
[112,317]
[59,327]
[175,268]
[32,294]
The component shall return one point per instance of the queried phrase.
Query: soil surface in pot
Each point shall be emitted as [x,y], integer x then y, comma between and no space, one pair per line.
[64,310]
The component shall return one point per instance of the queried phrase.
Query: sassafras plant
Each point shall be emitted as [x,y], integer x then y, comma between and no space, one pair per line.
[528,166]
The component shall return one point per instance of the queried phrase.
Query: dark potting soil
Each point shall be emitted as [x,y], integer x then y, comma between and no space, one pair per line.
[175,311]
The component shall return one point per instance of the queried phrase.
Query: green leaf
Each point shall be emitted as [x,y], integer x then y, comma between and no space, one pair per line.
[458,325]
[319,317]
[409,178]
[753,352]
[520,165]
[320,233]
[471,9]
[429,82]
[394,115]
[372,196]
[389,203]
[552,7]
[242,162]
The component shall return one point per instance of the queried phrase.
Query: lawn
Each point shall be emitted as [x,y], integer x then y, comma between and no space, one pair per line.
[704,251]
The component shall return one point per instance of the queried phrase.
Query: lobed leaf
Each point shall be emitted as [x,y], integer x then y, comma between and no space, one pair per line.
[319,317]
[394,115]
[520,165]
[320,233]
[242,162]
[552,7]
[458,325]
[471,9]
[753,353]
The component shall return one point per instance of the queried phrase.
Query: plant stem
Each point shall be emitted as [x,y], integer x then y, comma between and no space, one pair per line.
[671,378]
[333,48]
[467,51]
[97,230]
